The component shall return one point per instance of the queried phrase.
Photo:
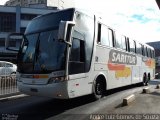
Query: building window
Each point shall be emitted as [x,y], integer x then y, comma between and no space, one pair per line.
[28,16]
[41,1]
[2,42]
[7,22]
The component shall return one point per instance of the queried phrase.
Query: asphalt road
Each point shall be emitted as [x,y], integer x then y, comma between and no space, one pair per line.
[39,108]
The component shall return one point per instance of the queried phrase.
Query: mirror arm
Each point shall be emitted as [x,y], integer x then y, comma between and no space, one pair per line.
[68,43]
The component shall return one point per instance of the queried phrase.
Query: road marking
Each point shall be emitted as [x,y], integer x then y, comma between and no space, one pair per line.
[13,97]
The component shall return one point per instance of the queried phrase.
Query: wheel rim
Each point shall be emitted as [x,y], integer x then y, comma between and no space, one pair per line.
[98,89]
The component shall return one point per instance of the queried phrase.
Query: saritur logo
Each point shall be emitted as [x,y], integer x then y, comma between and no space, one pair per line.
[122,58]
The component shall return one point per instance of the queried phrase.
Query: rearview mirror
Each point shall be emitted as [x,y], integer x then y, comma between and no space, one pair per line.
[64,33]
[14,41]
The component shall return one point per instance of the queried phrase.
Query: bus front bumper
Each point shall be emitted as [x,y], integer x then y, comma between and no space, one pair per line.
[54,90]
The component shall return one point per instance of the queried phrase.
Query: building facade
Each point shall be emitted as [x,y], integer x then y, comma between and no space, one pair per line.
[60,4]
[15,19]
[24,3]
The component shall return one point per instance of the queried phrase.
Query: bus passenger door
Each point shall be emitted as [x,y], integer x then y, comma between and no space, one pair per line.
[77,84]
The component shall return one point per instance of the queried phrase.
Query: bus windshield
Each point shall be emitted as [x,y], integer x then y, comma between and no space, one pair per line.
[41,52]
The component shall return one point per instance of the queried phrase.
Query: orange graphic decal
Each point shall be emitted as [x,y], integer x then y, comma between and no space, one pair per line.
[150,63]
[113,66]
[120,70]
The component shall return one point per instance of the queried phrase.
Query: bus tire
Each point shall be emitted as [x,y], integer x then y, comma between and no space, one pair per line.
[99,89]
[145,79]
[148,78]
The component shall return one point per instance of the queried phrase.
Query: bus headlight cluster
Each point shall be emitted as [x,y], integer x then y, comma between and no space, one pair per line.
[56,80]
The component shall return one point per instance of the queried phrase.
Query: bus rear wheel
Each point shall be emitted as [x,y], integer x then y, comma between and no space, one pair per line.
[145,82]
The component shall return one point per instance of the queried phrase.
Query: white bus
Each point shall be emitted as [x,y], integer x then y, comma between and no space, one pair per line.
[70,53]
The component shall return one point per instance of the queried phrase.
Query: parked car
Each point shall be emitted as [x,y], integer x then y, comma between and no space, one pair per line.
[7,68]
[157,75]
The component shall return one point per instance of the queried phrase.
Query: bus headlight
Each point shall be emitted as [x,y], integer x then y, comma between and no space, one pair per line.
[56,79]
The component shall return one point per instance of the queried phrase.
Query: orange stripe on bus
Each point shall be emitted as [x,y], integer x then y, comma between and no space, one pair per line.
[40,76]
[115,67]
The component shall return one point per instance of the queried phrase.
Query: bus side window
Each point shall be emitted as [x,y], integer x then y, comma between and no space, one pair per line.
[77,54]
[75,50]
[143,53]
[146,51]
[139,48]
[127,44]
[110,37]
[153,53]
[124,44]
[149,53]
[118,43]
[104,36]
[132,46]
[99,34]
[77,57]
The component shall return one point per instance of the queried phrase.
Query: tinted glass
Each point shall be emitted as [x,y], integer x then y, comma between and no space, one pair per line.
[132,46]
[139,48]
[75,50]
[104,36]
[29,48]
[85,24]
[50,52]
[149,52]
[110,37]
[118,43]
[49,21]
[124,43]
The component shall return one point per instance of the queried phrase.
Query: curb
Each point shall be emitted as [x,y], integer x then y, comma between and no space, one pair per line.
[146,90]
[128,100]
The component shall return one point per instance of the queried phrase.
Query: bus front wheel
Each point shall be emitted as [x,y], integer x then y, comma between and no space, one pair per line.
[99,89]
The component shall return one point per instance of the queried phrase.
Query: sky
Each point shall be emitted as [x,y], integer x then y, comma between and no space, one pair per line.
[138,19]
[2,2]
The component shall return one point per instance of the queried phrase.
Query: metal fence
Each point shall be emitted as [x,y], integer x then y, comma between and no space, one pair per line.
[8,85]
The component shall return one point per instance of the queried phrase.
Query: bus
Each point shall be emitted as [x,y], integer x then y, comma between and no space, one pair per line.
[72,53]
